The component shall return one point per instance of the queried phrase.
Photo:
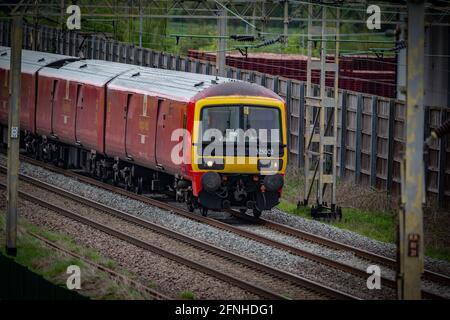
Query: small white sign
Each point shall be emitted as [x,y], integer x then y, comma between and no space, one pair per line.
[14,132]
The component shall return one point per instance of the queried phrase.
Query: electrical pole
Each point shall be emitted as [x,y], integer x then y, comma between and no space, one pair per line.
[130,22]
[61,13]
[36,24]
[413,182]
[140,23]
[13,136]
[320,140]
[222,43]
[263,15]
[286,23]
[254,18]
[62,22]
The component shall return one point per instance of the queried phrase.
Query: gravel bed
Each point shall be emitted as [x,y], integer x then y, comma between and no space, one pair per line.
[344,257]
[169,277]
[171,245]
[227,240]
[348,237]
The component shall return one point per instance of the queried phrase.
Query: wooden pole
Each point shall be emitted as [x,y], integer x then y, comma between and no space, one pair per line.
[13,136]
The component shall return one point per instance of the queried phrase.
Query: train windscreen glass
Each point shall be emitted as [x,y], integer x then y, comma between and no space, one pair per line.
[240,130]
[254,121]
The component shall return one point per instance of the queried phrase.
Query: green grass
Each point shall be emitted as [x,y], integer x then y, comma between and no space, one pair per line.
[187,295]
[381,226]
[438,253]
[52,264]
[375,224]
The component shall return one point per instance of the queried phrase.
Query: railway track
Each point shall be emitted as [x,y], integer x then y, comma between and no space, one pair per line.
[113,274]
[296,233]
[304,287]
[363,254]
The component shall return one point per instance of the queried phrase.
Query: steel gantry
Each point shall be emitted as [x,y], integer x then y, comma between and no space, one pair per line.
[321,114]
[260,12]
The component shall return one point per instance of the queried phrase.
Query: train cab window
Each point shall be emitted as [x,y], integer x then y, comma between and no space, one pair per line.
[220,118]
[230,118]
[261,118]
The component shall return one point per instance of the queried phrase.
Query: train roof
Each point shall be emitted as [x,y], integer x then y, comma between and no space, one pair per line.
[237,89]
[33,61]
[93,72]
[182,85]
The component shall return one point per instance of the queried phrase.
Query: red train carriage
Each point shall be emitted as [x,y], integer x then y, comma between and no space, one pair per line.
[75,97]
[32,62]
[124,123]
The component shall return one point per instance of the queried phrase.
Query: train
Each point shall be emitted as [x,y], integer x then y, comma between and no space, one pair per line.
[203,138]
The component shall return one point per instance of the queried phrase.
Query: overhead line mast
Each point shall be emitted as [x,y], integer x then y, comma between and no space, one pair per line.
[321,112]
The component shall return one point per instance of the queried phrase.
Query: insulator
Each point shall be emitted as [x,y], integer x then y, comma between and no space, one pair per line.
[442,130]
[268,42]
[243,37]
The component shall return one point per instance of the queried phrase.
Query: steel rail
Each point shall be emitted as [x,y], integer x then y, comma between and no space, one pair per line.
[429,275]
[149,247]
[383,260]
[286,276]
[138,286]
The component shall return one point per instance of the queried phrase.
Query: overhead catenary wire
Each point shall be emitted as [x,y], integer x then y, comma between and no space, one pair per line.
[212,10]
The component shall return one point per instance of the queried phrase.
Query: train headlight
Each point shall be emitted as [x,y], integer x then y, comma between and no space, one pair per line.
[211,164]
[269,165]
[273,182]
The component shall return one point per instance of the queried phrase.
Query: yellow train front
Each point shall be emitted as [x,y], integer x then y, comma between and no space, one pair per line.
[239,148]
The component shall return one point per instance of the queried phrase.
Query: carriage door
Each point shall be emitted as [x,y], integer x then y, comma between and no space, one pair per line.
[141,127]
[131,99]
[167,123]
[160,132]
[116,122]
[79,113]
[54,101]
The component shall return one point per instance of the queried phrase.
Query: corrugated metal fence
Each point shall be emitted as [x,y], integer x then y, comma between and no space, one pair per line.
[370,145]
